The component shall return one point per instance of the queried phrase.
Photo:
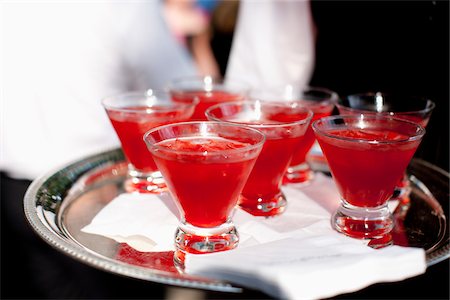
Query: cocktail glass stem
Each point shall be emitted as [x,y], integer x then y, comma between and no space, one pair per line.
[264,206]
[196,240]
[363,222]
[301,173]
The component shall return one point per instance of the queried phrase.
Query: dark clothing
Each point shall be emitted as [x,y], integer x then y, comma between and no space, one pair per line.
[399,47]
[31,268]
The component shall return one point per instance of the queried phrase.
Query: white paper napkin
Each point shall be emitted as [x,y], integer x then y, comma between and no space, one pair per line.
[309,266]
[296,255]
[146,222]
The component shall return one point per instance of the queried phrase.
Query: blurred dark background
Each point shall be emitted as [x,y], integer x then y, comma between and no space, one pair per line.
[399,47]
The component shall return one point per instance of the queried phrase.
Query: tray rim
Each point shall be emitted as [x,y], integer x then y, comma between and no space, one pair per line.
[95,260]
[98,261]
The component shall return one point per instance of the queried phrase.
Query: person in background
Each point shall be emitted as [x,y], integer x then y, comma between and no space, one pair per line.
[58,60]
[190,21]
[273,44]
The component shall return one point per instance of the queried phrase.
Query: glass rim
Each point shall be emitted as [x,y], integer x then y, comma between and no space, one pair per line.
[430,104]
[246,148]
[143,94]
[417,136]
[254,101]
[214,81]
[332,96]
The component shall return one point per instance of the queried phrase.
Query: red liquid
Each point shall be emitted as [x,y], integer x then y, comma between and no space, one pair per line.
[153,260]
[263,185]
[131,127]
[206,187]
[265,179]
[206,99]
[403,181]
[366,173]
[308,140]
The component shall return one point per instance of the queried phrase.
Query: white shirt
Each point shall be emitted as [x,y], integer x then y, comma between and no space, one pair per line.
[274,44]
[60,58]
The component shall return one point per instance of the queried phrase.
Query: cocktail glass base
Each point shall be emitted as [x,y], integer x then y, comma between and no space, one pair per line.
[139,182]
[301,173]
[262,206]
[363,223]
[197,240]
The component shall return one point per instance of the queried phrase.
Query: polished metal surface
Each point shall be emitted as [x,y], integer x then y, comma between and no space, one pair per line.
[62,202]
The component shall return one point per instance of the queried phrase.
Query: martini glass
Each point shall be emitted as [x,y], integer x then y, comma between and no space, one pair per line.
[321,102]
[284,125]
[205,165]
[209,91]
[413,108]
[366,155]
[132,115]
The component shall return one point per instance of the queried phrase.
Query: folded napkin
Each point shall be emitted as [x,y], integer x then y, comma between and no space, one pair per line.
[309,266]
[296,255]
[146,222]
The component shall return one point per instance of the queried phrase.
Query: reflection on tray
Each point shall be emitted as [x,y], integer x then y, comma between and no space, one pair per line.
[154,260]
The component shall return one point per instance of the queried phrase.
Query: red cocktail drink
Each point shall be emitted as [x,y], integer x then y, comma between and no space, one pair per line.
[321,102]
[306,145]
[205,166]
[366,183]
[414,109]
[132,115]
[206,99]
[209,91]
[132,126]
[366,155]
[284,125]
[196,181]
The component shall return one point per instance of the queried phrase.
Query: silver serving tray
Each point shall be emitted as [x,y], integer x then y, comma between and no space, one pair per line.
[59,204]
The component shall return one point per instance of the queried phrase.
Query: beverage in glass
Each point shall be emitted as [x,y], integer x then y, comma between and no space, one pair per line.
[413,108]
[208,90]
[321,102]
[205,165]
[132,114]
[284,124]
[366,155]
